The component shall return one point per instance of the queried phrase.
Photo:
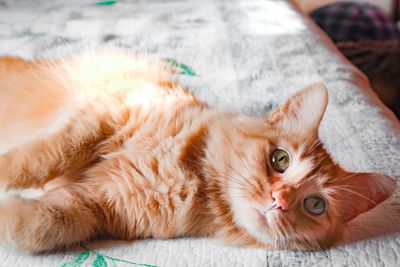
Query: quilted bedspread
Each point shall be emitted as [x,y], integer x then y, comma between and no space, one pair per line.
[247,56]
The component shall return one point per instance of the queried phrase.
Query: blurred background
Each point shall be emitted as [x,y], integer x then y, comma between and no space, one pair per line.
[368,34]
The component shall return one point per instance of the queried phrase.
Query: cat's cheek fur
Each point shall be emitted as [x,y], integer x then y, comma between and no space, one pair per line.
[248,217]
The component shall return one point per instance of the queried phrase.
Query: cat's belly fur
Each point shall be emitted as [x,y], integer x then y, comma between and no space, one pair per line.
[144,202]
[149,190]
[139,183]
[142,186]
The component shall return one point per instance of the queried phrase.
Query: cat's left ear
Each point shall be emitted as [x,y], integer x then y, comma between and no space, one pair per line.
[303,111]
[362,192]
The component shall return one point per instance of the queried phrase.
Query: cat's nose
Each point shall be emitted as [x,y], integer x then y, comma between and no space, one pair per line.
[282,198]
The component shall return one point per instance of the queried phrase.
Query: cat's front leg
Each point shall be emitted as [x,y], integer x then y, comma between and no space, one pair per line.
[31,166]
[34,164]
[15,171]
[60,218]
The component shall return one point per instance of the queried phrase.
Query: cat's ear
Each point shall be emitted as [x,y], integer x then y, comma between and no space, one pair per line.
[362,192]
[303,111]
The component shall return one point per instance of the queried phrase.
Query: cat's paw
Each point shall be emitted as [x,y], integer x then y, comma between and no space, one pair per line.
[6,170]
[3,195]
[29,193]
[3,186]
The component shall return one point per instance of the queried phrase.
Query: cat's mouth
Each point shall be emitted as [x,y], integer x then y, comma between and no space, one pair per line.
[270,211]
[268,217]
[261,216]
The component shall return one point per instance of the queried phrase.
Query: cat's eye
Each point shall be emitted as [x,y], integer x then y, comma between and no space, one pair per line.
[280,159]
[314,204]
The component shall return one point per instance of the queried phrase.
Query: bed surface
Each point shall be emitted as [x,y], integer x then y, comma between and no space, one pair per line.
[248,56]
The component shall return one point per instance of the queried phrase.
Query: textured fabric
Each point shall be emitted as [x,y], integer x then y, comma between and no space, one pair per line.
[248,56]
[380,60]
[371,40]
[355,21]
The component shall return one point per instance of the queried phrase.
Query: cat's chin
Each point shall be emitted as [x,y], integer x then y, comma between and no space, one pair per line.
[268,220]
[261,227]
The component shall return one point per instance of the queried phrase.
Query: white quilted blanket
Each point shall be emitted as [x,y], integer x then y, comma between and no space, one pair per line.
[248,56]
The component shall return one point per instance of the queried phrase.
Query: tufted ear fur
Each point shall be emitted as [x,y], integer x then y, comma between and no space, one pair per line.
[360,192]
[303,111]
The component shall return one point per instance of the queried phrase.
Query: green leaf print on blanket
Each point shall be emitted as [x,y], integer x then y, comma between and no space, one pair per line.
[79,259]
[99,260]
[106,3]
[179,67]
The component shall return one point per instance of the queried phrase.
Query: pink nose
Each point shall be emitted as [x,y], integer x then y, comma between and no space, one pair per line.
[282,198]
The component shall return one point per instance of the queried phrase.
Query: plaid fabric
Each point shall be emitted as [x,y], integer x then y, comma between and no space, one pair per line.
[380,60]
[367,37]
[355,21]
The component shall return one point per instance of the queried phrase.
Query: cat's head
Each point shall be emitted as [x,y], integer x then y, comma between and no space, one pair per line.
[278,184]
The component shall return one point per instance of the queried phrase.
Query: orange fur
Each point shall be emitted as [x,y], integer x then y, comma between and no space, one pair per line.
[123,151]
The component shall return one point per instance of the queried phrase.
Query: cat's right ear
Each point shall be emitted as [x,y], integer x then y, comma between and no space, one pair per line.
[302,112]
[361,192]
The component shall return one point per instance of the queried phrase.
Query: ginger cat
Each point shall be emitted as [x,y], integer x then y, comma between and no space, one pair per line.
[122,151]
